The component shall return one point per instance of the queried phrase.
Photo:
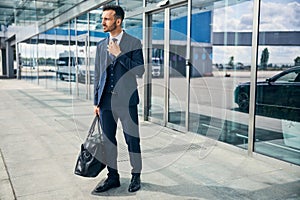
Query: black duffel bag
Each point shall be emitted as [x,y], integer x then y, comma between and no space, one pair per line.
[91,159]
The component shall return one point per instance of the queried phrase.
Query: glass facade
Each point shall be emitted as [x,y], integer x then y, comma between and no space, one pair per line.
[218,65]
[200,67]
[278,84]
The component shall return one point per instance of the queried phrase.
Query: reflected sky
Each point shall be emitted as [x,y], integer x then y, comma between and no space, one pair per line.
[276,15]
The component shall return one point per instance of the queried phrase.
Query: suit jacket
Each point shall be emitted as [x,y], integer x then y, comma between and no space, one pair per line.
[128,65]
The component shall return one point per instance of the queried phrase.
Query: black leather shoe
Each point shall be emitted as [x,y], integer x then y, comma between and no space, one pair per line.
[135,184]
[108,184]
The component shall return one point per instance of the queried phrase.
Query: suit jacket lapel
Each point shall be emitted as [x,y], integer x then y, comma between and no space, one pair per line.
[123,43]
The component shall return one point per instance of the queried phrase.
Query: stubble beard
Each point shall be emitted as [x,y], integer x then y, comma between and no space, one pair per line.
[111,28]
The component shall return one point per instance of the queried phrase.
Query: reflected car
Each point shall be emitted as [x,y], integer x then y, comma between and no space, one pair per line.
[278,96]
[82,76]
[156,70]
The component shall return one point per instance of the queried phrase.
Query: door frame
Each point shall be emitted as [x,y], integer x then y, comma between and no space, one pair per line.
[147,35]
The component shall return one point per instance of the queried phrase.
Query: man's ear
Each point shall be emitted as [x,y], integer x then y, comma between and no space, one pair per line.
[119,21]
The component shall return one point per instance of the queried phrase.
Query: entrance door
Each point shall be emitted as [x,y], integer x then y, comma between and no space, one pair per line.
[167,53]
[157,105]
[177,96]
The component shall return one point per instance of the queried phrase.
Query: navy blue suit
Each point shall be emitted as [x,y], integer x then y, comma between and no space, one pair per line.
[115,89]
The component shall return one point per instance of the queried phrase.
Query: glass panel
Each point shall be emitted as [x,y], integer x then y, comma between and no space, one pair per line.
[156,108]
[27,16]
[95,35]
[33,68]
[31,12]
[55,32]
[149,2]
[73,64]
[50,59]
[41,61]
[177,70]
[81,56]
[24,55]
[62,54]
[220,49]
[129,5]
[133,26]
[278,87]
[2,71]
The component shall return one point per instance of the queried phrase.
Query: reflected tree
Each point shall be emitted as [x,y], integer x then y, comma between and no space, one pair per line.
[231,62]
[297,61]
[264,58]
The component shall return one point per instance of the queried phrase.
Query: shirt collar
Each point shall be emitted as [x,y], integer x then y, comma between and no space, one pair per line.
[118,37]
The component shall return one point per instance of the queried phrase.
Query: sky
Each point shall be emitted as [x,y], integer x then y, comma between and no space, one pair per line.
[275,15]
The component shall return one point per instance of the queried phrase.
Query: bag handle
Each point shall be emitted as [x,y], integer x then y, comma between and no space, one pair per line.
[99,127]
[92,128]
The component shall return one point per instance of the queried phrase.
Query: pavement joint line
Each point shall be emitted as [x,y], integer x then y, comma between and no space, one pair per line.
[43,103]
[61,114]
[8,175]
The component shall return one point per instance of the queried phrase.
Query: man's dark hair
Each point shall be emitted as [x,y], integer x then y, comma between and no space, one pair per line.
[118,9]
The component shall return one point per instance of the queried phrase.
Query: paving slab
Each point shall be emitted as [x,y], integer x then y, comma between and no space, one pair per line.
[40,136]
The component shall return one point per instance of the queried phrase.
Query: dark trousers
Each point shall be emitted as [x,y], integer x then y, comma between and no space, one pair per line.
[129,119]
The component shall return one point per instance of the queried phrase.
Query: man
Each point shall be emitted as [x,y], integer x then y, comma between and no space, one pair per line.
[119,59]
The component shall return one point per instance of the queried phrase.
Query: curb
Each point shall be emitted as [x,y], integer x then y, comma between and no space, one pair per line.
[6,187]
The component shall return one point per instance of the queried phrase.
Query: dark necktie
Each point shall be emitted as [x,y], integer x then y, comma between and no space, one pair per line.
[114,39]
[110,55]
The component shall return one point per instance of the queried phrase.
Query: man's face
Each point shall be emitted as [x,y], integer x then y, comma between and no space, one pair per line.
[109,22]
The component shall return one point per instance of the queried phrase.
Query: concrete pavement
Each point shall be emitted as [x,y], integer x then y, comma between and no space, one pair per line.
[40,135]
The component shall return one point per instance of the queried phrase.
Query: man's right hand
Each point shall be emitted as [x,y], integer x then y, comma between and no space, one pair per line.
[97,110]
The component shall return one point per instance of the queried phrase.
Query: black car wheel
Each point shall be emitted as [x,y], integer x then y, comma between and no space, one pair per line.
[243,101]
[61,77]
